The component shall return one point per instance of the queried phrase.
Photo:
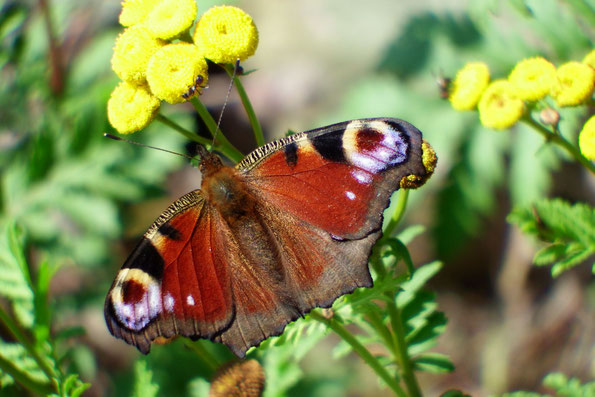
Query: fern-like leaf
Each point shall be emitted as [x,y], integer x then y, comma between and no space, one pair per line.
[569,230]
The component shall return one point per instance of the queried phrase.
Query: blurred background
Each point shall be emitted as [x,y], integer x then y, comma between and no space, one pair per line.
[83,201]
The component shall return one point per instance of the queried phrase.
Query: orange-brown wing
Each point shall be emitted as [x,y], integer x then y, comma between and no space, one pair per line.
[191,276]
[176,281]
[338,178]
[318,201]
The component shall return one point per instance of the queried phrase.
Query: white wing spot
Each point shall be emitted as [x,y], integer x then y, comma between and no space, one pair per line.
[350,195]
[190,300]
[362,176]
[169,302]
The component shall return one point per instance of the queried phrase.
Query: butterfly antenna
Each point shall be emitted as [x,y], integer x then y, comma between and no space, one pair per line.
[117,138]
[233,76]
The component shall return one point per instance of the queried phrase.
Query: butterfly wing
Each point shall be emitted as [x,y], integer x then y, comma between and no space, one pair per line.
[318,202]
[193,275]
[176,281]
[338,178]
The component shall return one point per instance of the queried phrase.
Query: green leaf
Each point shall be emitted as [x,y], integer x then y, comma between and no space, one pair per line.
[17,355]
[143,381]
[570,230]
[433,362]
[568,387]
[417,281]
[15,280]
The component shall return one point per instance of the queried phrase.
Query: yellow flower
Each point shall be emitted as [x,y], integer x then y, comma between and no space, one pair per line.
[135,11]
[225,34]
[590,59]
[499,106]
[174,70]
[169,18]
[532,78]
[133,49]
[468,86]
[131,107]
[574,84]
[586,139]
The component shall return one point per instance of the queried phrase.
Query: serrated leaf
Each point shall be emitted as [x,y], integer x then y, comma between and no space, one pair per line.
[550,254]
[424,336]
[17,355]
[569,228]
[419,278]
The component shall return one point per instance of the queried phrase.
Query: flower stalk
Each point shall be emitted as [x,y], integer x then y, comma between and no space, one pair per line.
[256,128]
[560,141]
[224,145]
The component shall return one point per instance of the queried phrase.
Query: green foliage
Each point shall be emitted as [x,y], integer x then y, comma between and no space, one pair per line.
[561,385]
[31,358]
[143,381]
[568,229]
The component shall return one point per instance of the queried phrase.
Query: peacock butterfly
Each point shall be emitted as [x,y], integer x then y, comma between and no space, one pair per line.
[288,229]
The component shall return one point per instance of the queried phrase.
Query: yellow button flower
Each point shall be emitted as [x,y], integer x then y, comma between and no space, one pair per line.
[134,47]
[499,106]
[135,11]
[586,139]
[574,85]
[169,18]
[468,85]
[131,107]
[532,78]
[590,59]
[225,34]
[174,70]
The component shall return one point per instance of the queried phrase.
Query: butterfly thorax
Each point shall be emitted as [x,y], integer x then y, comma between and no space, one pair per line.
[225,190]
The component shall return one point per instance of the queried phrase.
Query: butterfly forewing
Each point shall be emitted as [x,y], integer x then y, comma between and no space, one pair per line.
[338,178]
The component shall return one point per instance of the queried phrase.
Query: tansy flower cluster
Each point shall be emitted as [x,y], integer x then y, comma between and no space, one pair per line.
[501,103]
[158,59]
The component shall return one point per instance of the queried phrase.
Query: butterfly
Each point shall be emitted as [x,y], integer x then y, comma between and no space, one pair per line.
[288,229]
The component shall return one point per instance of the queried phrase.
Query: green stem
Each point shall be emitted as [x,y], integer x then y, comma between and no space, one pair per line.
[398,213]
[22,378]
[224,145]
[211,361]
[361,351]
[258,134]
[376,322]
[400,345]
[188,134]
[559,139]
[24,340]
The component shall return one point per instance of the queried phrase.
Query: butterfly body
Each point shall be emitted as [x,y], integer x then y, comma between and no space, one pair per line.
[288,229]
